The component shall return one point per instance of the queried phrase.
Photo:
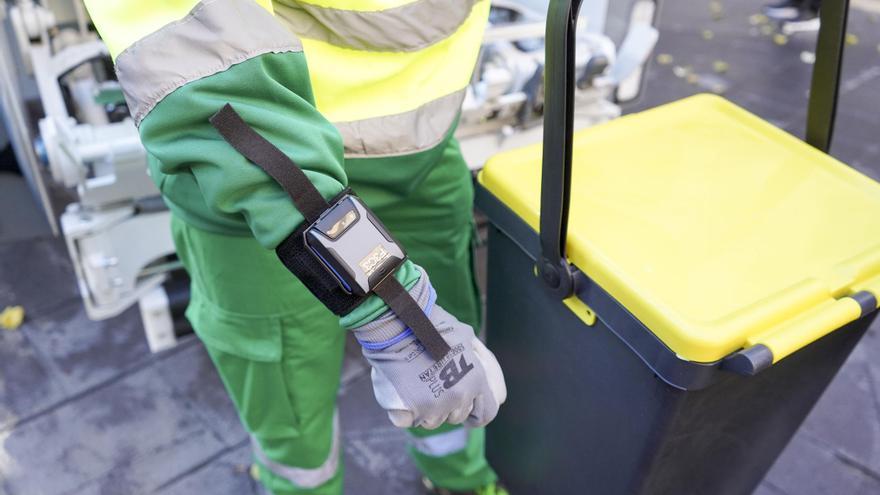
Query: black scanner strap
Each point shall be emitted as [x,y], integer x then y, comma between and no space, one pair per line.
[293,252]
[402,304]
[265,155]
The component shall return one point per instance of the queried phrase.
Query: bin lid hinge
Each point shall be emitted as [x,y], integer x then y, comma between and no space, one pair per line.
[758,357]
[749,361]
[867,301]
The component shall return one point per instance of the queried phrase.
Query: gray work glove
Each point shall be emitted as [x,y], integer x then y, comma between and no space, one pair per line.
[466,386]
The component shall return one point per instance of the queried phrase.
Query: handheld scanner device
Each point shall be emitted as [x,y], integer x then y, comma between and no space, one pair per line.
[354,246]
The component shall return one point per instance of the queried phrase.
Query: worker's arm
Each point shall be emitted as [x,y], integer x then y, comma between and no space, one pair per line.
[179,62]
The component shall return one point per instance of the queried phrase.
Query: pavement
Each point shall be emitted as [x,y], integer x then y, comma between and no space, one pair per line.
[28,222]
[86,409]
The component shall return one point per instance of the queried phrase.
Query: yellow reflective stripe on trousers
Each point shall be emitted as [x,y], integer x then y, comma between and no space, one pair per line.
[121,24]
[442,444]
[212,37]
[405,28]
[305,477]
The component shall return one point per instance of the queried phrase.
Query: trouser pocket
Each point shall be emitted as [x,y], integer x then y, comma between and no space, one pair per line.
[287,401]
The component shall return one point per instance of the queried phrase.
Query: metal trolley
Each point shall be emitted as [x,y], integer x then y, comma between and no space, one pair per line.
[699,278]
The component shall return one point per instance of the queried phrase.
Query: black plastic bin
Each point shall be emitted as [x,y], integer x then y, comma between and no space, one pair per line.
[700,279]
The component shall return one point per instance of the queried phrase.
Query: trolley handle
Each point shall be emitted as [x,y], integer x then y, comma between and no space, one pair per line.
[559,84]
[825,86]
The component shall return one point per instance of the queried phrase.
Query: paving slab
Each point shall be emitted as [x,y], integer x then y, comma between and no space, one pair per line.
[27,383]
[84,353]
[868,350]
[36,274]
[376,459]
[20,215]
[228,474]
[811,469]
[768,489]
[192,375]
[846,421]
[126,438]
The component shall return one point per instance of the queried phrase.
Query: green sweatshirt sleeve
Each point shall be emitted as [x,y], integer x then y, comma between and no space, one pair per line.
[206,180]
[273,95]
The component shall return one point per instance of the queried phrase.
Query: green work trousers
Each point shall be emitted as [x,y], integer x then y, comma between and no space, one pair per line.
[279,352]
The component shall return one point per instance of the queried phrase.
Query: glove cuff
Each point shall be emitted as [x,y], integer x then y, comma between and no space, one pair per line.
[387,329]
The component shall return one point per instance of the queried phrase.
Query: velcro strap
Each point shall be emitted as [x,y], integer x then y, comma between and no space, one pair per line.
[273,161]
[402,304]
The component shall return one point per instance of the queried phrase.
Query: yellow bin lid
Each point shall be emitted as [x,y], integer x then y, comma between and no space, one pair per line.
[717,230]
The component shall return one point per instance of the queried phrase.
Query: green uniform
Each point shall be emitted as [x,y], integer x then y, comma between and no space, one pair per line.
[280,353]
[392,94]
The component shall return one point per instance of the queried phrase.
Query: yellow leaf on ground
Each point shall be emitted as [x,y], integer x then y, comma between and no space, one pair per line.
[11,317]
[664,59]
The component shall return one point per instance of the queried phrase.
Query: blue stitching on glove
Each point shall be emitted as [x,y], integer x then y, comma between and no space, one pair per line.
[378,346]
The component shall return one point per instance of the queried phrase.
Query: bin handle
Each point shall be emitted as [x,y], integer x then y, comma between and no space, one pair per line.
[559,84]
[825,85]
[780,342]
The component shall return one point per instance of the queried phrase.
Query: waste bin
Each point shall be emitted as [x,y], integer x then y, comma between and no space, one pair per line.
[699,279]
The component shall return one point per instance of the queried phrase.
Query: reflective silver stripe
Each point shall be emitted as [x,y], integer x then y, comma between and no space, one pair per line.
[304,477]
[215,35]
[442,444]
[404,133]
[406,28]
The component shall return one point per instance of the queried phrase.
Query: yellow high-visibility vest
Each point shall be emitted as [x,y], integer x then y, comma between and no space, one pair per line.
[390,74]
